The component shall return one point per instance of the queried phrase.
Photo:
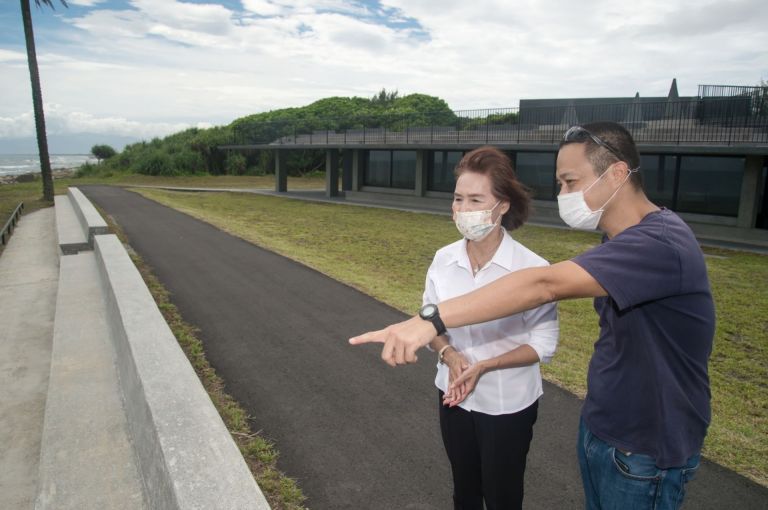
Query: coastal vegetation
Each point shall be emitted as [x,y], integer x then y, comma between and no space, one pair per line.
[196,151]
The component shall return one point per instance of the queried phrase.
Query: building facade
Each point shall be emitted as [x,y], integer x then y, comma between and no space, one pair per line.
[705,157]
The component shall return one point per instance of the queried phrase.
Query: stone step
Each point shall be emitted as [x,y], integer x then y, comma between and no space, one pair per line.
[72,237]
[86,459]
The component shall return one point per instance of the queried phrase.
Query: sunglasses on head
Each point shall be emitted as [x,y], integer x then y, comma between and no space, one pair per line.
[579,134]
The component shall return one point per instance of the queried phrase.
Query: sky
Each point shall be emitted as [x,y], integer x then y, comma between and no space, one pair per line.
[145,68]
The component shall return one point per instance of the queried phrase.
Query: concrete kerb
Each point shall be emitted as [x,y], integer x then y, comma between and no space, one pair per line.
[187,459]
[77,221]
[91,221]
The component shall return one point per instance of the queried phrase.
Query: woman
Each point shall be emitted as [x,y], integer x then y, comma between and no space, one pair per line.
[488,374]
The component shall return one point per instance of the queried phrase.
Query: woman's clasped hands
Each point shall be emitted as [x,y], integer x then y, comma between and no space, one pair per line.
[462,378]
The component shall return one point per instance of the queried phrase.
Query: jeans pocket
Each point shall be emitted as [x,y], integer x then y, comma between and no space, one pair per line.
[635,466]
[688,473]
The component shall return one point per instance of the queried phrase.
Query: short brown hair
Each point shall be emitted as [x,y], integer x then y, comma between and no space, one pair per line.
[497,166]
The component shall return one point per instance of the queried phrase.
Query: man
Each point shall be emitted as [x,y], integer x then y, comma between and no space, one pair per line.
[647,407]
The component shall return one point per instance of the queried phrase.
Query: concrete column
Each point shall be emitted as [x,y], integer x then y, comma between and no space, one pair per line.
[281,173]
[346,173]
[421,172]
[748,205]
[332,173]
[358,164]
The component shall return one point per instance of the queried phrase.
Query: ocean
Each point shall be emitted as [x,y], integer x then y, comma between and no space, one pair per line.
[15,164]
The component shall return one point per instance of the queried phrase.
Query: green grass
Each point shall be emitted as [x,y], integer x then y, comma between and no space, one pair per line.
[31,192]
[385,253]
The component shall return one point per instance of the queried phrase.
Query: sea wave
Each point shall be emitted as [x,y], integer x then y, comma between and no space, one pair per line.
[16,164]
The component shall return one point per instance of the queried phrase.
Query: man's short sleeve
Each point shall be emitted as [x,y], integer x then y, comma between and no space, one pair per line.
[634,267]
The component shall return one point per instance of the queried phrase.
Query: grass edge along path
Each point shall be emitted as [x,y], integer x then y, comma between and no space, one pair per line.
[737,436]
[281,491]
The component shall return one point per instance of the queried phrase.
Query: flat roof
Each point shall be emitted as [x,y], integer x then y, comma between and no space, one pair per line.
[702,149]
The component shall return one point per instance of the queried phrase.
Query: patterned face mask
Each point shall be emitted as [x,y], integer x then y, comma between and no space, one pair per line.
[475,225]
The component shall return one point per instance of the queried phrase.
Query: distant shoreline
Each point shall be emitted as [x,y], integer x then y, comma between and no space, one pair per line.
[57,173]
[21,164]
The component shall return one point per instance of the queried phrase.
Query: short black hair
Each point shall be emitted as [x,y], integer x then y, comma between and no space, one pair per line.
[617,137]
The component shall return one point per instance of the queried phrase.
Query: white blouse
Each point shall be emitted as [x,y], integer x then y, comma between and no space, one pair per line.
[506,390]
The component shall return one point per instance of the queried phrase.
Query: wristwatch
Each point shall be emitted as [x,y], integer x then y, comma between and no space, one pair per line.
[429,312]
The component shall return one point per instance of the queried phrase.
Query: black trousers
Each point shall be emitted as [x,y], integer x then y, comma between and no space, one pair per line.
[487,455]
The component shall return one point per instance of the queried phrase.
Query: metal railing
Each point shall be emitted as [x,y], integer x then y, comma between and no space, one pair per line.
[5,233]
[693,120]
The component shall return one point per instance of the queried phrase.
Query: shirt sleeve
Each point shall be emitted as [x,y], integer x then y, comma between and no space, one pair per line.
[430,293]
[544,329]
[634,268]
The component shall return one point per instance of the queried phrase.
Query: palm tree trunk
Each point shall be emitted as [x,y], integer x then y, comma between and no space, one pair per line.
[37,102]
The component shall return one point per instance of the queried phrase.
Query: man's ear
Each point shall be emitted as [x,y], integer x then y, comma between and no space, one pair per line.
[619,171]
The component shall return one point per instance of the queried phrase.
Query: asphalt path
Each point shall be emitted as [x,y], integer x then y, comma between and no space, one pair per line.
[355,433]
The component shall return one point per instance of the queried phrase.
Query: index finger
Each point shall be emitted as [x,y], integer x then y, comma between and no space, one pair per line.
[370,337]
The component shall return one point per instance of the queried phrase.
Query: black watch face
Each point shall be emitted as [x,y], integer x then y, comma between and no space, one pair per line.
[428,311]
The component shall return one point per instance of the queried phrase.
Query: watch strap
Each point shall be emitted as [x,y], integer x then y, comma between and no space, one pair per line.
[438,323]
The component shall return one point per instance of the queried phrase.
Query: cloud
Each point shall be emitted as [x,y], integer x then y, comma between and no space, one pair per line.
[159,63]
[85,3]
[12,56]
[60,121]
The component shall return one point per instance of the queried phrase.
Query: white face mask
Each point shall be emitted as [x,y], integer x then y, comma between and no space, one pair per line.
[575,212]
[475,225]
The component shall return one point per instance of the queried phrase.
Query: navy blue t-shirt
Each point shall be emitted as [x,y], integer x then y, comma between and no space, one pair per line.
[648,386]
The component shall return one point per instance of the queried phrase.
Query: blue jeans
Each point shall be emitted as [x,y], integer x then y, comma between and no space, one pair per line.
[614,480]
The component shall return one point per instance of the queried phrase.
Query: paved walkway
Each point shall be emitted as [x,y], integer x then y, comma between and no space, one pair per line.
[355,433]
[29,272]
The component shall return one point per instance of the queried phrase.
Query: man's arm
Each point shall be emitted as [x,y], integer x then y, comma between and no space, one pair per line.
[514,293]
[520,291]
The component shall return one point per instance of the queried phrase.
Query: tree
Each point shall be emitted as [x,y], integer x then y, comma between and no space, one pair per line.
[37,96]
[102,152]
[384,97]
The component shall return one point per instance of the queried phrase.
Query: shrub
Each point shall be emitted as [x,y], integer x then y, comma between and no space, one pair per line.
[86,170]
[188,162]
[155,162]
[236,164]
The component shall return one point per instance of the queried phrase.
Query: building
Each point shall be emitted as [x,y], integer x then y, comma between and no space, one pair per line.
[704,156]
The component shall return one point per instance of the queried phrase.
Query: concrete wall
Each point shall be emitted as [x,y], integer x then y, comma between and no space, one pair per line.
[184,454]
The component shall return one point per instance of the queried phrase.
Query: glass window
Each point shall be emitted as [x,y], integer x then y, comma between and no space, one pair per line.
[441,177]
[658,174]
[537,171]
[762,198]
[377,169]
[404,169]
[710,185]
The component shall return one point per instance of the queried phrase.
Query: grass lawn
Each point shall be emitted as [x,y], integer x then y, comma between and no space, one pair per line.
[385,253]
[31,192]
